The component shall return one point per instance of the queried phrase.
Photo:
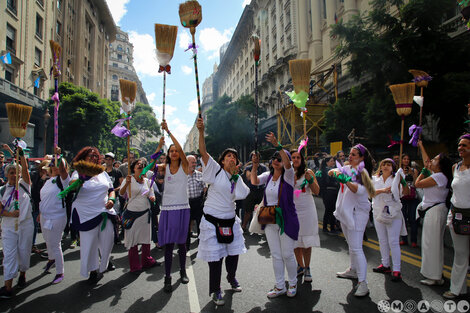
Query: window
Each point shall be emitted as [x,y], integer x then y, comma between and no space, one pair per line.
[37,57]
[11,39]
[119,56]
[59,5]
[115,65]
[11,5]
[9,75]
[41,2]
[58,28]
[119,47]
[39,25]
[115,77]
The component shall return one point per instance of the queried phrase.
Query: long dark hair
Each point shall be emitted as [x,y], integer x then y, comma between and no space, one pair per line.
[323,166]
[301,170]
[167,159]
[445,164]
[82,154]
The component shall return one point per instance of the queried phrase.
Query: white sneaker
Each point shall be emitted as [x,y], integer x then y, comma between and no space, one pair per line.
[292,291]
[275,292]
[349,273]
[362,289]
[432,282]
[307,275]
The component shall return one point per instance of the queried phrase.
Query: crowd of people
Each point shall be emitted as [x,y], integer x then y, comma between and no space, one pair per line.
[170,201]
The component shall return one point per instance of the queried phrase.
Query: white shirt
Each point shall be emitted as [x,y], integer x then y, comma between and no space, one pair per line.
[461,189]
[24,204]
[175,193]
[92,198]
[220,201]
[385,199]
[51,205]
[138,202]
[437,193]
[272,188]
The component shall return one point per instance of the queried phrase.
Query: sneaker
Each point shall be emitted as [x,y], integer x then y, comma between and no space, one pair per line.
[58,278]
[22,281]
[292,291]
[449,295]
[74,244]
[362,289]
[432,282]
[307,275]
[403,243]
[184,277]
[235,285]
[349,273]
[382,269]
[5,294]
[414,245]
[276,292]
[300,271]
[48,266]
[217,298]
[396,276]
[111,266]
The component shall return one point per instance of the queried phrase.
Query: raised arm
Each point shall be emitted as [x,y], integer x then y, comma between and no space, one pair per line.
[24,168]
[202,141]
[426,159]
[254,170]
[312,182]
[273,140]
[62,168]
[184,160]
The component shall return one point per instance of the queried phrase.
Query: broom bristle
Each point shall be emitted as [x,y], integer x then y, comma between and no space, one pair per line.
[88,168]
[419,73]
[300,73]
[128,90]
[403,93]
[190,13]
[56,49]
[165,38]
[257,49]
[18,118]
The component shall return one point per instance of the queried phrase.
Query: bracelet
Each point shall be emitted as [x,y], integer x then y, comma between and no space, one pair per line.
[168,132]
[279,147]
[403,182]
[112,199]
[311,180]
[426,172]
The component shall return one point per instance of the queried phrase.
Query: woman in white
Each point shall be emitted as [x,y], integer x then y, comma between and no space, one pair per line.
[305,185]
[460,204]
[435,188]
[138,208]
[93,215]
[225,188]
[174,218]
[352,210]
[17,227]
[386,206]
[279,192]
[54,216]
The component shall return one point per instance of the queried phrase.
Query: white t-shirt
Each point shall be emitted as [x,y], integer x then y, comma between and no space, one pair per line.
[93,195]
[461,189]
[272,188]
[138,202]
[220,201]
[24,204]
[51,205]
[437,193]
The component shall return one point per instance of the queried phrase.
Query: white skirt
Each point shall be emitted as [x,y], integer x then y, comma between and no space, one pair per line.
[211,250]
[307,241]
[139,232]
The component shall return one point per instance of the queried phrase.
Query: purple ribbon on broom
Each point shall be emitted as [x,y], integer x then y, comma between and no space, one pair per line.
[14,193]
[414,131]
[119,130]
[193,47]
[393,142]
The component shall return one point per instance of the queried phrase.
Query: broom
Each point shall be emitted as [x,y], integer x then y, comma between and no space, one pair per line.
[190,16]
[300,73]
[18,118]
[403,96]
[422,80]
[128,94]
[256,55]
[86,170]
[56,50]
[165,38]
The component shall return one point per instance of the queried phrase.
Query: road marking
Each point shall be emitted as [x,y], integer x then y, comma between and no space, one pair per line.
[194,306]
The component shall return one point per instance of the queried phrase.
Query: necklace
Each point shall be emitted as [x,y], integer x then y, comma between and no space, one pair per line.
[274,183]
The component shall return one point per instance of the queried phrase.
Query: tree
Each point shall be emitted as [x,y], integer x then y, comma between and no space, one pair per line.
[413,38]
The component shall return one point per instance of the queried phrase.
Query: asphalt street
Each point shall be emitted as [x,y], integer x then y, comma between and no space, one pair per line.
[121,291]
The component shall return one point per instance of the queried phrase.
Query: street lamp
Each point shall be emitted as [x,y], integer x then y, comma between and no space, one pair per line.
[46,118]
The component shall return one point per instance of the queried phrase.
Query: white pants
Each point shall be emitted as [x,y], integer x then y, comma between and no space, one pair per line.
[389,239]
[93,244]
[17,248]
[458,278]
[282,252]
[432,242]
[354,237]
[52,232]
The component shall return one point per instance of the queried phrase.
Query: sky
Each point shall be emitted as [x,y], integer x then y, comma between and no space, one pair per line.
[137,17]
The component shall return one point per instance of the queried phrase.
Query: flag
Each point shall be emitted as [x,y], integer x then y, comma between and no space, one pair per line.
[6,58]
[36,82]
[336,19]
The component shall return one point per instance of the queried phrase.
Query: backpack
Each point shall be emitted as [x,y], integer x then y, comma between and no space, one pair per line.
[4,187]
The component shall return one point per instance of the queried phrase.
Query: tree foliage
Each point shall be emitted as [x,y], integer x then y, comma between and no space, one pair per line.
[383,45]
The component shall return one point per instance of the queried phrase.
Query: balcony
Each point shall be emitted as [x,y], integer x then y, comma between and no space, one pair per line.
[16,94]
[287,4]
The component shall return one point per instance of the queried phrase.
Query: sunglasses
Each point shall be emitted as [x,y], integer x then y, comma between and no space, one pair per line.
[277,158]
[95,156]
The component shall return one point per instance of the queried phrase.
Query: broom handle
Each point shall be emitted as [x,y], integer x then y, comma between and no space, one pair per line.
[401,140]
[17,185]
[56,120]
[256,104]
[420,117]
[128,153]
[305,125]
[164,89]
[197,76]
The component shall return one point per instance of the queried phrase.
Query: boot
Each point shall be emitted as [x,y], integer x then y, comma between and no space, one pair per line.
[184,277]
[167,287]
[134,260]
[147,260]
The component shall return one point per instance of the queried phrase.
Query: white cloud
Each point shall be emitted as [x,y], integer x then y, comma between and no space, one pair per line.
[145,60]
[245,3]
[193,106]
[179,129]
[211,40]
[185,39]
[118,9]
[171,92]
[186,69]
[151,97]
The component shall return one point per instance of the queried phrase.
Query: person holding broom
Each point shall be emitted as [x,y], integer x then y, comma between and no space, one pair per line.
[17,226]
[175,212]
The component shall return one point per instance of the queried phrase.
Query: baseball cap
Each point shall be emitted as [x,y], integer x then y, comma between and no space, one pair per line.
[109,154]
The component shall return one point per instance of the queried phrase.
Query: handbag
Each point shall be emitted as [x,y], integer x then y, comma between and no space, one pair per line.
[267,214]
[128,217]
[461,221]
[255,226]
[223,228]
[422,212]
[385,217]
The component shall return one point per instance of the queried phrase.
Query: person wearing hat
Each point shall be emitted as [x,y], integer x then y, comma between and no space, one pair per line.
[281,237]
